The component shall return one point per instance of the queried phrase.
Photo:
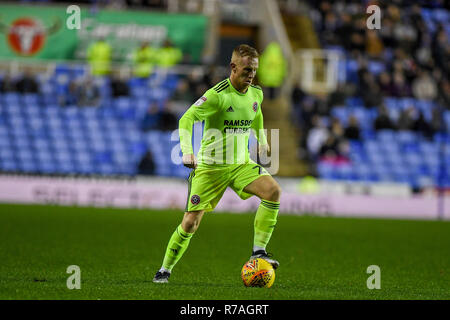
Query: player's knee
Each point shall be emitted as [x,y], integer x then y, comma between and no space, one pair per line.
[190,222]
[274,193]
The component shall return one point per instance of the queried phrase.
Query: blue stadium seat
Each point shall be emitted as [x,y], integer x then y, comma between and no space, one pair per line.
[386,137]
[326,171]
[342,113]
[406,137]
[376,67]
[447,120]
[9,166]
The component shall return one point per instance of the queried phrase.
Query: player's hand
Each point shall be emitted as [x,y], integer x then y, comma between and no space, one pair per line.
[189,161]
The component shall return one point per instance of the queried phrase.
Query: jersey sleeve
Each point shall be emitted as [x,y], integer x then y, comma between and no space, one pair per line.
[258,122]
[204,108]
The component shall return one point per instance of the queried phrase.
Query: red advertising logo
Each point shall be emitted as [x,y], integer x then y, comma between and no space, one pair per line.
[26,36]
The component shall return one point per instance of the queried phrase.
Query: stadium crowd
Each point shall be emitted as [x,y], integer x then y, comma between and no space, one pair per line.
[411,55]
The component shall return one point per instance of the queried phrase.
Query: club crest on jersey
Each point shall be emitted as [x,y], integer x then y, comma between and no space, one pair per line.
[255,106]
[200,101]
[195,199]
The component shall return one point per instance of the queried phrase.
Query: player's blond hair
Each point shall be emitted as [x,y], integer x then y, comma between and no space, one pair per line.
[244,50]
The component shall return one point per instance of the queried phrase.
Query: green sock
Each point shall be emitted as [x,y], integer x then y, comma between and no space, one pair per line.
[178,244]
[265,221]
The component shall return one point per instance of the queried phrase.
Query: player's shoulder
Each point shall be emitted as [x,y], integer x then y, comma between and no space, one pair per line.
[258,90]
[221,86]
[255,86]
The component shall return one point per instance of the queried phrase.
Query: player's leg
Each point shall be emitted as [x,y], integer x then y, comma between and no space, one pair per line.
[268,190]
[202,197]
[255,180]
[178,243]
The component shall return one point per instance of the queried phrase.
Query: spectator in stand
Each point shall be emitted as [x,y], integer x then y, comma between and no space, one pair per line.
[441,49]
[71,96]
[99,56]
[329,150]
[422,126]
[7,84]
[119,85]
[352,131]
[437,120]
[358,35]
[328,32]
[272,69]
[338,97]
[371,95]
[147,165]
[167,120]
[321,105]
[88,93]
[399,87]
[144,59]
[337,130]
[168,55]
[297,97]
[150,120]
[384,82]
[316,137]
[374,45]
[158,118]
[345,30]
[444,93]
[406,119]
[424,87]
[182,98]
[383,121]
[27,84]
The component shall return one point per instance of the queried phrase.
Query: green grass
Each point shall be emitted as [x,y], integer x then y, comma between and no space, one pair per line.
[119,250]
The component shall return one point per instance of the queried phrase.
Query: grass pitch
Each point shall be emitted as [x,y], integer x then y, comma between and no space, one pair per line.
[119,250]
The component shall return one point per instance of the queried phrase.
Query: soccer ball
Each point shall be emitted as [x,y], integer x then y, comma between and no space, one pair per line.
[258,273]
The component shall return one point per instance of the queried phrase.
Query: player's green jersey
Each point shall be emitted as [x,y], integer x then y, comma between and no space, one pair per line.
[229,117]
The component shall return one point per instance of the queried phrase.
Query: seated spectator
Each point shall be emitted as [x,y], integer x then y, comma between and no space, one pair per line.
[337,97]
[444,93]
[119,85]
[88,94]
[167,121]
[156,119]
[437,120]
[424,87]
[406,119]
[421,125]
[383,121]
[321,106]
[374,45]
[7,84]
[151,118]
[399,86]
[334,152]
[372,96]
[146,165]
[384,82]
[352,132]
[182,98]
[337,130]
[27,84]
[328,149]
[70,97]
[316,136]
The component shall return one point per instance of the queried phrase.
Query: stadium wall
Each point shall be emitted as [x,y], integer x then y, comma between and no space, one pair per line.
[163,193]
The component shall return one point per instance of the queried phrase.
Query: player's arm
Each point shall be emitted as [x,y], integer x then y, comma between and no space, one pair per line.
[202,109]
[258,127]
